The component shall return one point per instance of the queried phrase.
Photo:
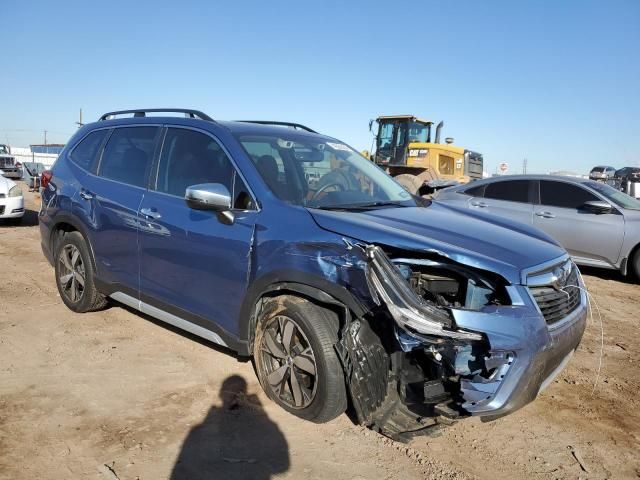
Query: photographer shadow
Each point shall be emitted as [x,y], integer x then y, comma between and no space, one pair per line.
[235,441]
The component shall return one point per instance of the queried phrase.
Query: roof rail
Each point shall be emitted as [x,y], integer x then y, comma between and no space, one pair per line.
[283,124]
[142,112]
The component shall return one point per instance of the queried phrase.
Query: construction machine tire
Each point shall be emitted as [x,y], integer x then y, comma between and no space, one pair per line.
[410,183]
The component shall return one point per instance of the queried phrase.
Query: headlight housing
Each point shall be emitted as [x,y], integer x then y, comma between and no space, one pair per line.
[15,191]
[408,310]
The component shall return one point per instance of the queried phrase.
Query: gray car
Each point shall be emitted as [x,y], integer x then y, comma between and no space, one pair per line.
[598,225]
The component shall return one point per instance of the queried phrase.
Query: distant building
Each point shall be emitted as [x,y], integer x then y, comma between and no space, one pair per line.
[54,148]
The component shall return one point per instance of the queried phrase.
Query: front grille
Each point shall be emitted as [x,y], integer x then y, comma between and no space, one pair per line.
[6,162]
[558,301]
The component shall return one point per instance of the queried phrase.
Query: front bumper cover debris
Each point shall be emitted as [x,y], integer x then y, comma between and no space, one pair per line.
[433,364]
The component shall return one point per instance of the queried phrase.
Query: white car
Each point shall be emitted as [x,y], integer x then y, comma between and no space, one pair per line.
[11,200]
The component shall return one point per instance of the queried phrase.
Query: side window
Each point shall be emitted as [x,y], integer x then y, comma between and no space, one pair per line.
[84,154]
[401,134]
[477,191]
[564,195]
[386,135]
[189,158]
[445,165]
[128,155]
[509,190]
[242,199]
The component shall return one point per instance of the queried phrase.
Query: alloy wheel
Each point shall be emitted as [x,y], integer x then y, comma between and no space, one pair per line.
[289,363]
[71,273]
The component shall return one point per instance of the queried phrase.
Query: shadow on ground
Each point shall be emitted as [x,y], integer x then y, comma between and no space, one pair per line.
[29,219]
[235,441]
[607,274]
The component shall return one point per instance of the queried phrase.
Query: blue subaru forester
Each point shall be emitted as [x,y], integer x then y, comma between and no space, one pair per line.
[289,247]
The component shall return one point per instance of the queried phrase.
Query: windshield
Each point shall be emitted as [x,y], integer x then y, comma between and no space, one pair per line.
[621,199]
[319,172]
[4,150]
[419,132]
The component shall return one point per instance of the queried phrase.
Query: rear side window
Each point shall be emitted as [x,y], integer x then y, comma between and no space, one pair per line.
[564,195]
[128,155]
[84,154]
[511,191]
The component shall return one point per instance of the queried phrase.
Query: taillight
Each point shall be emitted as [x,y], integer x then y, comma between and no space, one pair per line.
[45,178]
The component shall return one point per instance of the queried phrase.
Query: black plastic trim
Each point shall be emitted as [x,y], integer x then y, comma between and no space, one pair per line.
[141,112]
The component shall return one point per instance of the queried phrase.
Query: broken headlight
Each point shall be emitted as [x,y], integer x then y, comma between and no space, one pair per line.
[409,310]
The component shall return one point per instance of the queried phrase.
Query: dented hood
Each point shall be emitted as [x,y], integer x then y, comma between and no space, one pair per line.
[481,241]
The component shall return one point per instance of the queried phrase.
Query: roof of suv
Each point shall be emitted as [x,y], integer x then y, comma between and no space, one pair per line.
[197,118]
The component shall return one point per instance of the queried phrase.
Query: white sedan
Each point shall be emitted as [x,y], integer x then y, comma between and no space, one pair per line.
[11,200]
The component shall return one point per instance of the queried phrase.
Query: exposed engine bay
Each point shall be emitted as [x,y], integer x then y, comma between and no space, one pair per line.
[423,369]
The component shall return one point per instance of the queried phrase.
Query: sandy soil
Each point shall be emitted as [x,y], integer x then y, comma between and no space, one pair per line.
[115,395]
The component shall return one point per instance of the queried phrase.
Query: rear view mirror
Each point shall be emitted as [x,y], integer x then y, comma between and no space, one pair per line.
[210,196]
[597,206]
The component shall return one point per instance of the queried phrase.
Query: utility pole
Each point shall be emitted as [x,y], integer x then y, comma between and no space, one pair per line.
[45,137]
[524,166]
[80,124]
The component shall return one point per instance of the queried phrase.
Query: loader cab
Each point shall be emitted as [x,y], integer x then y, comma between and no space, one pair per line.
[394,136]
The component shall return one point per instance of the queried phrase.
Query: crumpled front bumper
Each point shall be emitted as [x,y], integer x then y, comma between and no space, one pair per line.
[526,353]
[521,352]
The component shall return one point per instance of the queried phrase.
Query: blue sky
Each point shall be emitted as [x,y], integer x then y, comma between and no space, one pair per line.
[556,82]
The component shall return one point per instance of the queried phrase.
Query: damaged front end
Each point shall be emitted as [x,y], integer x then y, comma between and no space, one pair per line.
[450,350]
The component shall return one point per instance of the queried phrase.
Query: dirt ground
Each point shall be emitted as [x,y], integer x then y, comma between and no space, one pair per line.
[116,395]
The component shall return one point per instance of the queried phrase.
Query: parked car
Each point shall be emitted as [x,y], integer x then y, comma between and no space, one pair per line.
[602,173]
[352,288]
[11,201]
[597,224]
[625,177]
[8,165]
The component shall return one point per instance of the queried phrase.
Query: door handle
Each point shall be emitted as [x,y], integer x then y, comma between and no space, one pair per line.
[479,204]
[150,213]
[545,214]
[86,195]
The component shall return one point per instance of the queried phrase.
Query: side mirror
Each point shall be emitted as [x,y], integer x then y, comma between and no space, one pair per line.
[371,126]
[210,196]
[597,206]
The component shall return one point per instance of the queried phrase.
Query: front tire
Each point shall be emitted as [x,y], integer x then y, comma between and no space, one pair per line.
[74,274]
[295,359]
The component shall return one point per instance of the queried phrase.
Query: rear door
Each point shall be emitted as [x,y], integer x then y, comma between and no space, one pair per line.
[505,198]
[111,199]
[587,236]
[194,265]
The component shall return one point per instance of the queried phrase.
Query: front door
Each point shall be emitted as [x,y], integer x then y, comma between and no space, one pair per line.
[193,263]
[588,237]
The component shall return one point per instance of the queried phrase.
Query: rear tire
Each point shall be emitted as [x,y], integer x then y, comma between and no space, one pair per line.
[635,264]
[295,359]
[74,274]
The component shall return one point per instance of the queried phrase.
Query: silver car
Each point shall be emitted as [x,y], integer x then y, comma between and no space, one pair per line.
[597,224]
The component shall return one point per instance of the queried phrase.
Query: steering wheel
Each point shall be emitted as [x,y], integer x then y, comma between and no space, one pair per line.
[324,187]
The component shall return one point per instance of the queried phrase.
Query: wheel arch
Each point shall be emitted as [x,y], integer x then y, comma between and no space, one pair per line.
[628,264]
[64,224]
[312,287]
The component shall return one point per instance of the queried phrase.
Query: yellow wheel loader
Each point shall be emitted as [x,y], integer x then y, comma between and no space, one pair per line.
[411,152]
